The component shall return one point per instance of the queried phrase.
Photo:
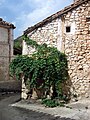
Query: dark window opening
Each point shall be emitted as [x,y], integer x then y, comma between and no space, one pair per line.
[89,32]
[88,19]
[68,29]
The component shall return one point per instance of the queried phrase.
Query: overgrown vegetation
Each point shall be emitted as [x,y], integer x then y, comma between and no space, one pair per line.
[46,68]
[52,103]
[18,46]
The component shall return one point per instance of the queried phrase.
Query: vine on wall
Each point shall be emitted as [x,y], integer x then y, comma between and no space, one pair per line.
[45,68]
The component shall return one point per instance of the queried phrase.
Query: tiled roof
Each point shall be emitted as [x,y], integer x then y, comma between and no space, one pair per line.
[6,24]
[56,15]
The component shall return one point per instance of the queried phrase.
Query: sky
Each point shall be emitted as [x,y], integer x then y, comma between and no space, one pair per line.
[26,13]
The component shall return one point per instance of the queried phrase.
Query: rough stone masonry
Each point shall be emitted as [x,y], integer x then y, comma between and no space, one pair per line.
[6,54]
[6,48]
[69,31]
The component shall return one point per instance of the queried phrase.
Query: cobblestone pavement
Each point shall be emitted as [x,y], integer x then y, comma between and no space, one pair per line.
[8,112]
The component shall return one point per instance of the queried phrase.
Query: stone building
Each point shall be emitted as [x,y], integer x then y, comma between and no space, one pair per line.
[69,31]
[6,54]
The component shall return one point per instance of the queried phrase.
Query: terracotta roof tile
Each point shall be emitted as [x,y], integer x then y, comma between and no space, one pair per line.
[6,24]
[56,15]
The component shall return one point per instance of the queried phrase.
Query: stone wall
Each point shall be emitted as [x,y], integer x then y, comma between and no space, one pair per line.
[47,33]
[70,33]
[77,48]
[6,55]
[4,68]
[10,86]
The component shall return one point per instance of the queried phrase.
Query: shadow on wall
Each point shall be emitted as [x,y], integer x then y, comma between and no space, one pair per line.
[66,88]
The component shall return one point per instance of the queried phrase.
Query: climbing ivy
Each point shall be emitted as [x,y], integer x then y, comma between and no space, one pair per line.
[45,68]
[30,42]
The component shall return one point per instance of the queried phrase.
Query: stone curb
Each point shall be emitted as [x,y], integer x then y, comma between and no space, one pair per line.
[80,110]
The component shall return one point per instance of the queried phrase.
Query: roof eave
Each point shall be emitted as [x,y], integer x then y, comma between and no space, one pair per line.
[54,16]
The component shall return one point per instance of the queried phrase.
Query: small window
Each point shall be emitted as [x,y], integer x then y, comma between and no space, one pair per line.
[89,32]
[88,19]
[68,29]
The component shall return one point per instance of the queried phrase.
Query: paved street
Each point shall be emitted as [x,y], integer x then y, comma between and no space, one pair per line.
[7,112]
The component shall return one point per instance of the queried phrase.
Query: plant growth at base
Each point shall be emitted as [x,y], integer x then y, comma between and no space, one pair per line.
[45,68]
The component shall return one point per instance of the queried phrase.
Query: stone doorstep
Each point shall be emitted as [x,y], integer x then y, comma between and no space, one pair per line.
[62,112]
[78,109]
